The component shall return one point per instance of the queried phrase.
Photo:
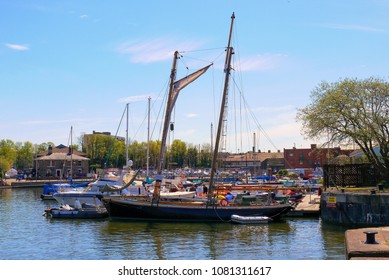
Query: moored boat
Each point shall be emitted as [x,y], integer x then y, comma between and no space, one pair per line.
[211,209]
[49,189]
[68,212]
[250,219]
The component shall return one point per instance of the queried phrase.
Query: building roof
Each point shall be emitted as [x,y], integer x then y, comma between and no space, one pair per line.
[62,156]
[250,156]
[61,149]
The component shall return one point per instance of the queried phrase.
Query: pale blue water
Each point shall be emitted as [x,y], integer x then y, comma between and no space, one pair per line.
[27,235]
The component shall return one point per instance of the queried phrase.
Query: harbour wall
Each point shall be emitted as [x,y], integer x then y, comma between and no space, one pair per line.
[370,208]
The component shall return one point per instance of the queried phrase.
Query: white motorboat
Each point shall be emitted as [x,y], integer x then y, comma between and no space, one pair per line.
[92,194]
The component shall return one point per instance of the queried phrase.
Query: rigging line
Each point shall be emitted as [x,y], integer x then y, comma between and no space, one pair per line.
[242,104]
[256,120]
[151,107]
[204,60]
[202,50]
[262,129]
[113,139]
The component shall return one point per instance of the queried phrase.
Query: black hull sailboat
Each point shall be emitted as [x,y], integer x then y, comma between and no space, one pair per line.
[209,209]
[188,212]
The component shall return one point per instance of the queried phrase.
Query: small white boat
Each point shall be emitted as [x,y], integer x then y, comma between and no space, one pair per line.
[250,219]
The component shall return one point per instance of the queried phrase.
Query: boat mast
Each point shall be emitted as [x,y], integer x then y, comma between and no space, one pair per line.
[127,136]
[71,152]
[227,70]
[167,115]
[159,177]
[174,89]
[148,139]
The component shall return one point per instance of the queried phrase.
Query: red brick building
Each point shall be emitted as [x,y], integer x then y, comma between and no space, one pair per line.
[311,157]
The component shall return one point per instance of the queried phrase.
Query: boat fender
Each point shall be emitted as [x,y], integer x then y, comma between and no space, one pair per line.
[223,202]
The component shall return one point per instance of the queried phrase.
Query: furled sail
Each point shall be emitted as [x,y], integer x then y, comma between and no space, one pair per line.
[180,84]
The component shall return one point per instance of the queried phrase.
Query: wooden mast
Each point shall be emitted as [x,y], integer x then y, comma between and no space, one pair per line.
[227,70]
[158,180]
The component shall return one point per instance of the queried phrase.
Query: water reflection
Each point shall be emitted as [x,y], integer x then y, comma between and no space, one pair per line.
[26,234]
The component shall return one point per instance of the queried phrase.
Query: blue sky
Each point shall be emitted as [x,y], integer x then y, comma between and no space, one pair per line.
[77,63]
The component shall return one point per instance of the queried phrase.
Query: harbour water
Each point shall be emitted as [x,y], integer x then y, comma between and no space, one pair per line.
[25,234]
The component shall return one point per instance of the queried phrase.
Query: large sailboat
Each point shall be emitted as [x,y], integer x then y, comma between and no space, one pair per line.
[210,208]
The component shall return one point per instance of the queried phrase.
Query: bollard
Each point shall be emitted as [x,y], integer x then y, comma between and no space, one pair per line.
[370,237]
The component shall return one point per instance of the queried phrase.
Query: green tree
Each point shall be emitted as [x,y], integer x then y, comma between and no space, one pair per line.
[25,155]
[192,156]
[98,148]
[8,154]
[205,156]
[137,153]
[154,147]
[178,152]
[351,111]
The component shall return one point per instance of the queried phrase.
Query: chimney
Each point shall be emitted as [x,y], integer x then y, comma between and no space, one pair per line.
[50,150]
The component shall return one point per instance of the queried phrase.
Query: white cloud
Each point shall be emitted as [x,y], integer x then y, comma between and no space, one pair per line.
[132,99]
[84,16]
[17,47]
[354,27]
[159,49]
[261,62]
[191,115]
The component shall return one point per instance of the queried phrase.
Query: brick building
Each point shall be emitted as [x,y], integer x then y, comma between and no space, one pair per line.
[257,163]
[60,163]
[310,158]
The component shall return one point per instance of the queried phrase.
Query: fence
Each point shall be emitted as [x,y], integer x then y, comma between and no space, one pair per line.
[357,175]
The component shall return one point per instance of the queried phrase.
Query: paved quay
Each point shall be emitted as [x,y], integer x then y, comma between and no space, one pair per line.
[308,207]
[367,243]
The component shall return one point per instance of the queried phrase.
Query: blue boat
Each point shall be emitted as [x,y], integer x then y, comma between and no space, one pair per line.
[51,188]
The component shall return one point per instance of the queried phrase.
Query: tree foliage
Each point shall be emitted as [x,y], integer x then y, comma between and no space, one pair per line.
[351,111]
[8,155]
[25,155]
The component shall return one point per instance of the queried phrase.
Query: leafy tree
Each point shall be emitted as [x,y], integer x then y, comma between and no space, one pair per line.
[25,155]
[351,111]
[205,156]
[4,166]
[178,152]
[8,154]
[154,147]
[192,156]
[137,153]
[97,146]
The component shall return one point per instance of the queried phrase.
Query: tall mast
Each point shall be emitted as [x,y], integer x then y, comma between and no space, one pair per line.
[227,70]
[148,139]
[127,144]
[167,115]
[174,89]
[159,177]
